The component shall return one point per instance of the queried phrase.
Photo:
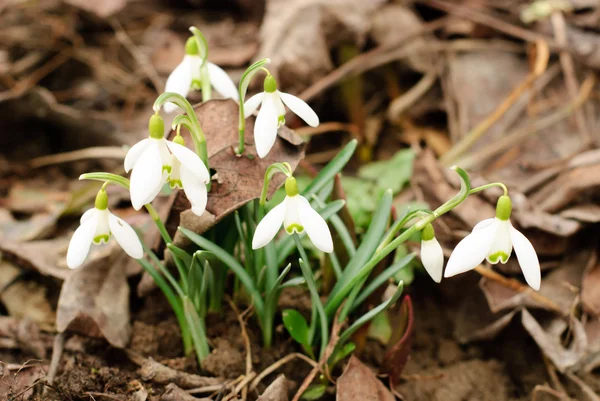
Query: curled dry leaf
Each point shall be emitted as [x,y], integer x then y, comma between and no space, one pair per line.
[298,35]
[277,391]
[174,393]
[94,300]
[358,382]
[236,180]
[399,347]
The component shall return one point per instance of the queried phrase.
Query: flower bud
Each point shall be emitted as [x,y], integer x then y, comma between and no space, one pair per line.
[156,126]
[291,187]
[270,84]
[191,47]
[503,208]
[101,200]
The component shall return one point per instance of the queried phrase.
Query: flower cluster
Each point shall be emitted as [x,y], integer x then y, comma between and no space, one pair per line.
[492,240]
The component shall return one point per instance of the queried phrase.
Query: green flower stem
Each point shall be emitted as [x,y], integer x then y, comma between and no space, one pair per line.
[284,168]
[106,178]
[192,123]
[244,82]
[493,184]
[312,288]
[380,254]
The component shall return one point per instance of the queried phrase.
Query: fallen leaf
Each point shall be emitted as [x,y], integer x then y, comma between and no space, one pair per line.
[103,8]
[277,390]
[399,347]
[94,301]
[174,393]
[239,179]
[298,35]
[358,382]
[549,339]
[47,257]
[588,213]
[17,383]
[590,289]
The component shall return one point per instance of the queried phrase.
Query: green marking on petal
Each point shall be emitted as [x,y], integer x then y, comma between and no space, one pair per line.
[101,239]
[294,227]
[280,121]
[196,84]
[498,256]
[166,168]
[175,184]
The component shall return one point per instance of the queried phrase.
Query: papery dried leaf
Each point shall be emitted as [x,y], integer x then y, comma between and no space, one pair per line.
[399,348]
[102,8]
[47,257]
[277,390]
[358,382]
[238,180]
[94,301]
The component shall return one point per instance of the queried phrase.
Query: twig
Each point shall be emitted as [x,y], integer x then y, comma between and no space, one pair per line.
[542,56]
[57,351]
[510,139]
[566,62]
[519,287]
[246,344]
[206,389]
[277,364]
[328,127]
[335,336]
[242,385]
[94,152]
[407,99]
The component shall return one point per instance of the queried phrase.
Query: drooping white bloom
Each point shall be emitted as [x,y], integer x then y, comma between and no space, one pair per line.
[155,161]
[493,239]
[297,215]
[271,115]
[432,255]
[188,74]
[96,226]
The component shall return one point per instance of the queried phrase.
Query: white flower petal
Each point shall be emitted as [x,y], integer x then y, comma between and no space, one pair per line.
[471,251]
[265,126]
[195,64]
[314,225]
[221,81]
[126,236]
[252,104]
[502,246]
[292,211]
[483,224]
[432,257]
[195,190]
[300,108]
[102,228]
[87,215]
[280,108]
[80,243]
[269,226]
[146,177]
[179,81]
[190,160]
[134,153]
[527,257]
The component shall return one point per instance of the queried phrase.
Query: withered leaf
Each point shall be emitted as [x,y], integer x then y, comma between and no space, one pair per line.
[277,391]
[43,256]
[358,382]
[237,180]
[94,300]
[102,8]
[399,348]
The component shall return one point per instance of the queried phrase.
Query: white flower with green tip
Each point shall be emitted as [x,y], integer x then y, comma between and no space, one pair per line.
[432,255]
[493,239]
[271,115]
[97,225]
[188,75]
[155,161]
[297,216]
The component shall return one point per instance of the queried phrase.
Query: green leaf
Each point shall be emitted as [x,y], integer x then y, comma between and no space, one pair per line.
[294,282]
[393,173]
[296,325]
[340,353]
[181,254]
[232,264]
[108,177]
[197,329]
[370,315]
[272,294]
[331,169]
[195,281]
[314,392]
[381,328]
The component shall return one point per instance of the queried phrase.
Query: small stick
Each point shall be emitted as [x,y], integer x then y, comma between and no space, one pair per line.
[517,286]
[276,365]
[249,371]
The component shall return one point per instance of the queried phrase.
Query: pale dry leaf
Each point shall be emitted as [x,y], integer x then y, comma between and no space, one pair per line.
[94,301]
[277,390]
[358,382]
[298,35]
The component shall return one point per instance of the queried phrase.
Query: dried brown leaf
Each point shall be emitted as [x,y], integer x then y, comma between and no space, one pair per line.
[237,180]
[358,382]
[298,35]
[398,351]
[277,391]
[102,8]
[174,393]
[94,300]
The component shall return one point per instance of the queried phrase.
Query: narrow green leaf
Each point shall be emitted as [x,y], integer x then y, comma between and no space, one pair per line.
[331,169]
[181,254]
[340,353]
[197,329]
[296,325]
[273,292]
[314,392]
[108,177]
[370,315]
[294,282]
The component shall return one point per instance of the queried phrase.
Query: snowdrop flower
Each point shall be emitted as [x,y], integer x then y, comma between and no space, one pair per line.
[493,239]
[97,225]
[188,75]
[155,161]
[296,215]
[271,115]
[432,255]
